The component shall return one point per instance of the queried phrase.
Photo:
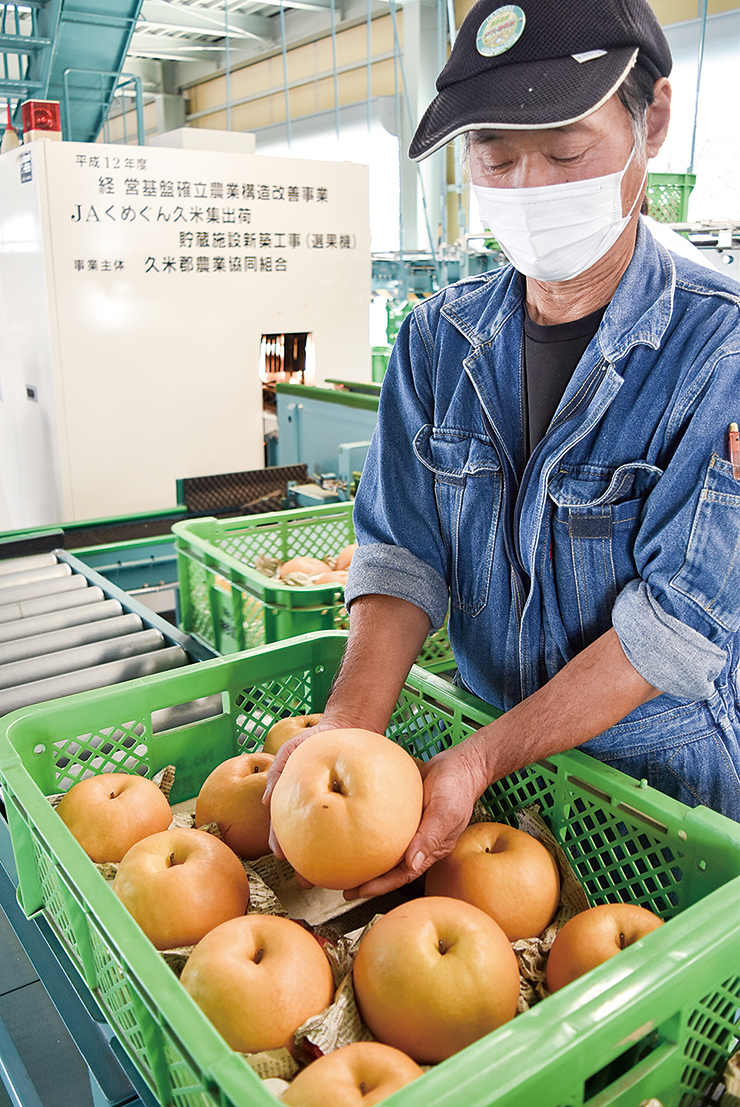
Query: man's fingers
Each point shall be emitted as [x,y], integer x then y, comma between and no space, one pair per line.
[438,831]
[448,801]
[419,856]
[275,845]
[281,757]
[444,819]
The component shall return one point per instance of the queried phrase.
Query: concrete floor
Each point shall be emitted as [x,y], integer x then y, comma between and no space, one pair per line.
[52,1061]
[56,1050]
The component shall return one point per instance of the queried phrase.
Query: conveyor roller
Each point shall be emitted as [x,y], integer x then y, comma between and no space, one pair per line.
[82,657]
[62,632]
[21,564]
[58,620]
[34,645]
[114,672]
[34,575]
[74,594]
[32,590]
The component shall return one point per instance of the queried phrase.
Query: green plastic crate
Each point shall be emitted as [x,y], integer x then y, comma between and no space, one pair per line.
[668,196]
[380,358]
[230,606]
[657,1020]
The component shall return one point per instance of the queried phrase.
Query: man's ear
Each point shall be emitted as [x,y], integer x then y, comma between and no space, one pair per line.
[658,117]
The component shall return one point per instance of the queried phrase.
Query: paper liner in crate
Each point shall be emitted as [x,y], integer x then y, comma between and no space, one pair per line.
[731,1076]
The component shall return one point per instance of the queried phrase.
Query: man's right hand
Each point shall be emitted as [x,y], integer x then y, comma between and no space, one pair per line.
[276,768]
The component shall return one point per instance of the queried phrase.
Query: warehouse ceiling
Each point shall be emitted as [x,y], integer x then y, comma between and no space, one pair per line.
[200,30]
[180,42]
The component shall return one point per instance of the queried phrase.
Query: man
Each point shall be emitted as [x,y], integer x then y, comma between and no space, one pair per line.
[551,455]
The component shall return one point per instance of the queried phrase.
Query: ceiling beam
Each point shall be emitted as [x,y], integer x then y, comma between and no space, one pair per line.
[163,48]
[307,5]
[303,5]
[204,21]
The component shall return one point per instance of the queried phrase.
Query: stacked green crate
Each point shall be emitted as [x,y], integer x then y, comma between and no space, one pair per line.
[228,604]
[668,196]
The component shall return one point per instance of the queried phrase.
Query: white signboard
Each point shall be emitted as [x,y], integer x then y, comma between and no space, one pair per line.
[167,214]
[163,269]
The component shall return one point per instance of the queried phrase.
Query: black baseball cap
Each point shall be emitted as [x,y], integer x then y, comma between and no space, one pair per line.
[538,64]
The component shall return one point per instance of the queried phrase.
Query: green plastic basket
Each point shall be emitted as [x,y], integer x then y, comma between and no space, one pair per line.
[657,1020]
[668,196]
[230,606]
[380,358]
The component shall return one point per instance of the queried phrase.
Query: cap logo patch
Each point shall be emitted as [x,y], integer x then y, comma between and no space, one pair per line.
[500,30]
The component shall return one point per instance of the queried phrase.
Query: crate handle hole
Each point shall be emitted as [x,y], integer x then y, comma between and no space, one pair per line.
[187,714]
[645,1056]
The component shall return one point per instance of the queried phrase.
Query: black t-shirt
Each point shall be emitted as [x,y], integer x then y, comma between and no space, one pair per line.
[551,354]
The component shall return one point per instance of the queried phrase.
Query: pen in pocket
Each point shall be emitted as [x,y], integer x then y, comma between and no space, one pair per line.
[733,444]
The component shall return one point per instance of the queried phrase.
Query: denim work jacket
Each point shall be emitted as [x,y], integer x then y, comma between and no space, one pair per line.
[626,514]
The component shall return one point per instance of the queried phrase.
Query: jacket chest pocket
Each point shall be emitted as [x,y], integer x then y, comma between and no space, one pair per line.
[709,574]
[597,514]
[467,492]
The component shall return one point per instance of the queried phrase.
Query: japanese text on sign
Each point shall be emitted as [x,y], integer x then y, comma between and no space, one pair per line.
[219,216]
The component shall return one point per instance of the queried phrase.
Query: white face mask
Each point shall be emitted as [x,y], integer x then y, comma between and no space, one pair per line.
[555,232]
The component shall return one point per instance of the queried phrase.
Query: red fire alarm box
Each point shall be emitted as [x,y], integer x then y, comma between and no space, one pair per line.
[40,119]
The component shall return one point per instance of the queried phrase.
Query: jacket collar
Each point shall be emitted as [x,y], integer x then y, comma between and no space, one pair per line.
[639,312]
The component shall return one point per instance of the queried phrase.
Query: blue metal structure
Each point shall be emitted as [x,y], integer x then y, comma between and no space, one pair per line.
[72,51]
[90,49]
[318,426]
[27,35]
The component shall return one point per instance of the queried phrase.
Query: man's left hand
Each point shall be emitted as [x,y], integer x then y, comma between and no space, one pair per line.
[453,781]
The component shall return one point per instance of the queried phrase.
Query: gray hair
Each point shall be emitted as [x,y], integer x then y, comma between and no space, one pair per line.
[465,152]
[636,93]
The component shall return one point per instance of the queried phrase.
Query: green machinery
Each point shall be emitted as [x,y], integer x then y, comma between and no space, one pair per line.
[328,430]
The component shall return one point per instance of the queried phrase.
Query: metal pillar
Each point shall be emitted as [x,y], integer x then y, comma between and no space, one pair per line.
[419,183]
